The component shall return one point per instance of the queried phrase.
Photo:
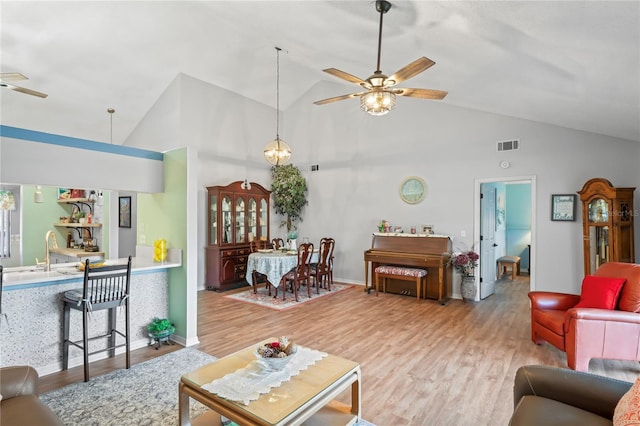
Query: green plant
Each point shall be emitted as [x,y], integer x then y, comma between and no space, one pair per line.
[289,189]
[160,325]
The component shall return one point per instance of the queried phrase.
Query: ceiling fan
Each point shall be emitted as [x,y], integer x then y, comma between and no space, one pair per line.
[380,96]
[5,77]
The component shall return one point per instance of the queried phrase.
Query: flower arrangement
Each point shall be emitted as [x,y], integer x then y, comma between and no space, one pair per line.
[282,348]
[465,262]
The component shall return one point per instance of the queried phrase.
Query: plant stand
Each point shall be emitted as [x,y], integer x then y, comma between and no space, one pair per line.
[159,338]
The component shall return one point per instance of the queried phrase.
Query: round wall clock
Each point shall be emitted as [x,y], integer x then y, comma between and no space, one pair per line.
[412,190]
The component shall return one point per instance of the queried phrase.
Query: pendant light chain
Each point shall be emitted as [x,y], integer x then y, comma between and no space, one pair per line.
[278,94]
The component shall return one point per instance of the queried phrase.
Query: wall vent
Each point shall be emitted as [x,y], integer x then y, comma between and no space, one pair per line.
[511,145]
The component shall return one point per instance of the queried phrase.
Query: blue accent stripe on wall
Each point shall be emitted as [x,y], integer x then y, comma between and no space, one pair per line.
[50,138]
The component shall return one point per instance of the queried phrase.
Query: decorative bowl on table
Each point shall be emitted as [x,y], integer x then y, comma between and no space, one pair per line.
[276,355]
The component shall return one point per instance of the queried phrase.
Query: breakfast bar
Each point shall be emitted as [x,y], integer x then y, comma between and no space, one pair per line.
[31,324]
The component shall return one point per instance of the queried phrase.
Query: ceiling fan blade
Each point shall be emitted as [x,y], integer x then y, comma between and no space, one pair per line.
[411,70]
[12,76]
[23,90]
[338,98]
[344,75]
[421,93]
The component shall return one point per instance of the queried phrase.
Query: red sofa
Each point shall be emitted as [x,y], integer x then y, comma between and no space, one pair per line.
[585,333]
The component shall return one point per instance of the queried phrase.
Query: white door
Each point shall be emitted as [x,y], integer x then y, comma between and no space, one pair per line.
[487,240]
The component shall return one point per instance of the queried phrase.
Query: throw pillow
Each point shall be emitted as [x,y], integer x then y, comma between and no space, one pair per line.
[627,411]
[600,292]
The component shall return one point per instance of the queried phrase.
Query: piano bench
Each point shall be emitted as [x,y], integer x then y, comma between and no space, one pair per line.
[401,273]
[511,261]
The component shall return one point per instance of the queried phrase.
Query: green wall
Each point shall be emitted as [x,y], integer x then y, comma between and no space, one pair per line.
[164,215]
[38,218]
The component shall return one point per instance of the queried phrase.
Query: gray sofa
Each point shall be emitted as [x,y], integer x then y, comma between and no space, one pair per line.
[20,404]
[549,396]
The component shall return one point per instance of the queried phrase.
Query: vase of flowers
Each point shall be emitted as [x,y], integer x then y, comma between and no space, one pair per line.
[465,263]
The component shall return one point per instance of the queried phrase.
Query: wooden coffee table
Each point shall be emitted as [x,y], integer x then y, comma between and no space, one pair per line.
[307,397]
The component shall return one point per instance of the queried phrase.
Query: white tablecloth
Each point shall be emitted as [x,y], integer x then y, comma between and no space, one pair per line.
[247,384]
[274,265]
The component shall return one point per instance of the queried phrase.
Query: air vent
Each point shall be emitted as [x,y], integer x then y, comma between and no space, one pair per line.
[509,145]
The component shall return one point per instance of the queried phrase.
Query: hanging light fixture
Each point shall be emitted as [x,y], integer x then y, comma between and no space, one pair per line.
[277,152]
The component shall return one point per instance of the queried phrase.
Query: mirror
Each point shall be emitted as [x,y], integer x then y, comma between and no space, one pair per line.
[37,210]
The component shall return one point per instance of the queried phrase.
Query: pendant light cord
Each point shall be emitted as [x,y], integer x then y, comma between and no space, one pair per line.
[278,96]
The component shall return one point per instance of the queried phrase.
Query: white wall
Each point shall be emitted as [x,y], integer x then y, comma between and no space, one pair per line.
[363,160]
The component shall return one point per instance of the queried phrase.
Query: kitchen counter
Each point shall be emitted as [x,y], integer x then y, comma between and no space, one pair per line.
[32,296]
[32,276]
[71,252]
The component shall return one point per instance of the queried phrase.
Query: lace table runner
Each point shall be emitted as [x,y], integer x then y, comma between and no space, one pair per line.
[246,384]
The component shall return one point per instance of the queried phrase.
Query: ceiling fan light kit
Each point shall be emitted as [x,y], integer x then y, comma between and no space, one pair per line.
[277,152]
[380,96]
[378,102]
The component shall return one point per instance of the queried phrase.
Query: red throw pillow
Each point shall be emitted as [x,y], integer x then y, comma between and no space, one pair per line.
[600,292]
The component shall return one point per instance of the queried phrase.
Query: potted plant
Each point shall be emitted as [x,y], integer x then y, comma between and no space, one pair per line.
[465,263]
[289,189]
[159,330]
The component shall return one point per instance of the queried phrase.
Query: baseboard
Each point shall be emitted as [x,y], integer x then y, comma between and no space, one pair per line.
[78,361]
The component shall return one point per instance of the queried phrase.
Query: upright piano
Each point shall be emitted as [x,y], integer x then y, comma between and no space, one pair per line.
[428,252]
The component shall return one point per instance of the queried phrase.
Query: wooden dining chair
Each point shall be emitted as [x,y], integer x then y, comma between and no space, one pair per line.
[258,278]
[300,273]
[277,243]
[320,270]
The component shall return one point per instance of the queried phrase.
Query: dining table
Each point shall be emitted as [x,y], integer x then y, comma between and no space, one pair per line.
[274,264]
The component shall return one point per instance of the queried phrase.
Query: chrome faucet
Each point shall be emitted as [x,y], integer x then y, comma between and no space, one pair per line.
[47,259]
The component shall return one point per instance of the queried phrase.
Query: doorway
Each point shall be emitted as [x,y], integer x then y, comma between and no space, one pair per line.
[499,234]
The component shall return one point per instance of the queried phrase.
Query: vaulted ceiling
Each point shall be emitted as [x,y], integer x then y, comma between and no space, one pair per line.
[569,63]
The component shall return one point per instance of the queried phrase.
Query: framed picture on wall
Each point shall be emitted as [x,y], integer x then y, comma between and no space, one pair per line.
[124,212]
[563,207]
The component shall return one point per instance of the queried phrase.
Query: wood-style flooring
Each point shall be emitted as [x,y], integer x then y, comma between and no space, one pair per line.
[422,363]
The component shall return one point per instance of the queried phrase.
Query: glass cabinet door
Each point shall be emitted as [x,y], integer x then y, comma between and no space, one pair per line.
[213,218]
[252,220]
[240,221]
[226,219]
[264,221]
[599,249]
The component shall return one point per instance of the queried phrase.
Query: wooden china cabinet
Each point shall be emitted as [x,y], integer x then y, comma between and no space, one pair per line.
[235,216]
[607,223]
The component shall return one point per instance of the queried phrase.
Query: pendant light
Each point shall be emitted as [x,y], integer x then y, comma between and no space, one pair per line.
[277,152]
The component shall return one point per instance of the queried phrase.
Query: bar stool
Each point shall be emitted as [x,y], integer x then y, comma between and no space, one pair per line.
[104,288]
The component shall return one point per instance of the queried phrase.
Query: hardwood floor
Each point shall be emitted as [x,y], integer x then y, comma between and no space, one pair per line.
[422,363]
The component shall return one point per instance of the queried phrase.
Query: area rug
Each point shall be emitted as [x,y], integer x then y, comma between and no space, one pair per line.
[262,297]
[145,394]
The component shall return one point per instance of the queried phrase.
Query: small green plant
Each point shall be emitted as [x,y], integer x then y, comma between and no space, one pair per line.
[160,325]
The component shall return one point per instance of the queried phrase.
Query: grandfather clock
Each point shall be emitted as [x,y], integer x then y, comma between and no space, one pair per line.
[607,224]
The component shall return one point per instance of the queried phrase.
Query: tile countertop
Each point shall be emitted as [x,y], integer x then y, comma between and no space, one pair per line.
[32,275]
